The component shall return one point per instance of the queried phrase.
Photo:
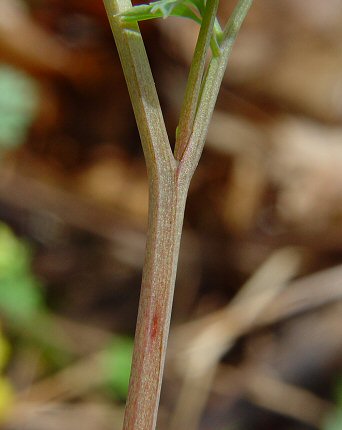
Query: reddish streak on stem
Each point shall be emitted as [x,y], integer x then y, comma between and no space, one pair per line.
[154,329]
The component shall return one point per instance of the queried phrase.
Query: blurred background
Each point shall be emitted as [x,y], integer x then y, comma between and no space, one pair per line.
[256,338]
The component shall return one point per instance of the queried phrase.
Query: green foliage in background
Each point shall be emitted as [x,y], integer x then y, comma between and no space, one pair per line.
[20,293]
[334,421]
[117,366]
[19,99]
[22,305]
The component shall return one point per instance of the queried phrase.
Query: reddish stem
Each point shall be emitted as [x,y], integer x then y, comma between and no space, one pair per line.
[162,249]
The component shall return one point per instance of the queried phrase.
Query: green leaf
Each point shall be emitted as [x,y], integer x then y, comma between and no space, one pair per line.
[200,5]
[191,9]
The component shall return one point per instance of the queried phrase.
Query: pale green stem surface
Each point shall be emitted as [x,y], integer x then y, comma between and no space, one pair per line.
[141,88]
[169,180]
[196,73]
[167,193]
[212,83]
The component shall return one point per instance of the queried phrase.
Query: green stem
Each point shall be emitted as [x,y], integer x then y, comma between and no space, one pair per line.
[167,203]
[167,191]
[211,85]
[141,88]
[169,179]
[196,73]
[235,21]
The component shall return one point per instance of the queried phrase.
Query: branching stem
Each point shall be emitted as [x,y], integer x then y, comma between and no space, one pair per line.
[169,179]
[192,92]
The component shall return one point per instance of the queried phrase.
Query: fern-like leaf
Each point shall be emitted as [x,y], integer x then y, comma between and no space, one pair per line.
[192,9]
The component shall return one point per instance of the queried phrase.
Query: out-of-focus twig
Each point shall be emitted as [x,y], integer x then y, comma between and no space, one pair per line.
[304,295]
[197,362]
[271,393]
[75,380]
[301,295]
[34,195]
[54,416]
[213,333]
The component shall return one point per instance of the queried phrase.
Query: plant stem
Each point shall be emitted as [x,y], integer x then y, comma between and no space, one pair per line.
[169,179]
[211,84]
[141,87]
[167,205]
[193,87]
[167,191]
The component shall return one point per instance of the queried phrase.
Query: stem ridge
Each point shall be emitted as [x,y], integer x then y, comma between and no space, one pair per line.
[169,178]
